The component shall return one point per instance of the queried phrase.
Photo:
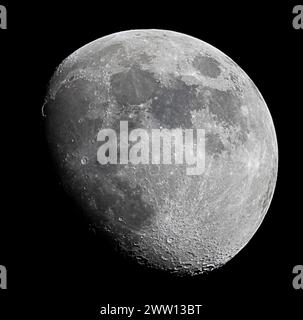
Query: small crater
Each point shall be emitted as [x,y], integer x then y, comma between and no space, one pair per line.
[84,160]
[169,240]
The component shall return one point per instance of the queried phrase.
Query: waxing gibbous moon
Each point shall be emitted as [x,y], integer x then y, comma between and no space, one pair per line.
[156,213]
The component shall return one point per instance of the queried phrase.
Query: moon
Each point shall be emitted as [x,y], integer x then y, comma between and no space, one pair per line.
[156,213]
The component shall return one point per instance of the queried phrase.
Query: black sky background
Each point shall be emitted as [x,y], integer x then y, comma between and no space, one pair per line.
[56,265]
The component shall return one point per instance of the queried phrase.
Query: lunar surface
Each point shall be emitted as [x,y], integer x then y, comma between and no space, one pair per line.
[156,213]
